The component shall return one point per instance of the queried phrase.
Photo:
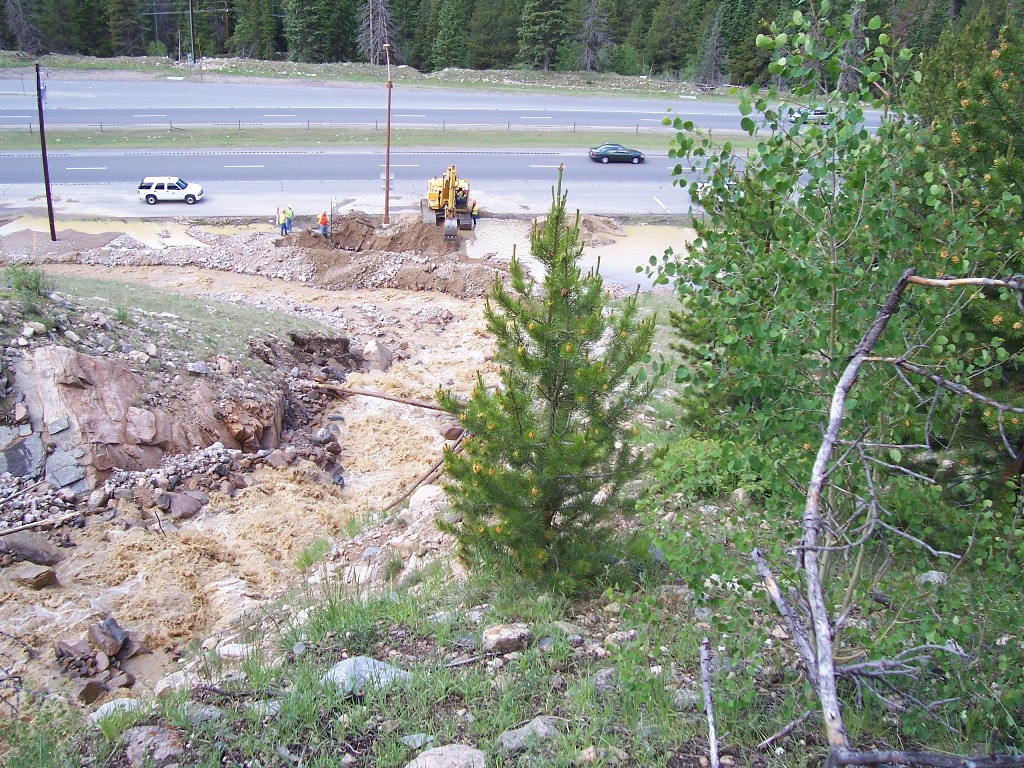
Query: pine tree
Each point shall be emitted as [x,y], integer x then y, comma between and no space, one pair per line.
[541,28]
[492,40]
[449,49]
[593,36]
[548,453]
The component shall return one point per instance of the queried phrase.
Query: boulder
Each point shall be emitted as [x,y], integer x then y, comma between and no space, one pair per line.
[537,730]
[34,576]
[356,675]
[31,546]
[153,746]
[450,756]
[506,638]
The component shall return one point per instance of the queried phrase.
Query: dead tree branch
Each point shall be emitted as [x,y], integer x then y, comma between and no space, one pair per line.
[367,393]
[782,733]
[709,704]
[930,759]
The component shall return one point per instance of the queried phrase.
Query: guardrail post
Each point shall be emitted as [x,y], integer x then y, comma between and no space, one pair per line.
[101,127]
[307,125]
[170,123]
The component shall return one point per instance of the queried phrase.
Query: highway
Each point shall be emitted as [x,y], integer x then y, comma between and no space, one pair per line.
[252,182]
[164,103]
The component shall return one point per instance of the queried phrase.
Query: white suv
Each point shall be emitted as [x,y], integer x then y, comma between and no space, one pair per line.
[153,189]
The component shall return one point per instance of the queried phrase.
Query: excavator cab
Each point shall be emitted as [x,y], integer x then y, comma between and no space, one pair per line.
[448,199]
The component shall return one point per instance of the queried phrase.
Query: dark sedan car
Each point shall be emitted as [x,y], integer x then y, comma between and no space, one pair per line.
[616,153]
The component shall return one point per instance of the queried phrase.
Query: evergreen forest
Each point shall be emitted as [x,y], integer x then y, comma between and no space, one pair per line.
[711,42]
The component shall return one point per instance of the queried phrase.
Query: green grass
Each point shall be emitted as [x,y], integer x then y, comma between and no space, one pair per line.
[313,554]
[320,137]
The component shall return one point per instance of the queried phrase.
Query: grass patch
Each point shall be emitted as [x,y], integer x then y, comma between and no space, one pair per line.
[313,554]
[204,327]
[328,137]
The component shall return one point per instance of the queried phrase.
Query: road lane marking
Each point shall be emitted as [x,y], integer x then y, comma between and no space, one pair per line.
[244,166]
[544,166]
[279,115]
[88,168]
[661,204]
[149,115]
[410,115]
[528,117]
[14,116]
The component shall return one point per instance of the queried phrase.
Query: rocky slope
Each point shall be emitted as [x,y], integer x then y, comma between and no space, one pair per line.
[184,486]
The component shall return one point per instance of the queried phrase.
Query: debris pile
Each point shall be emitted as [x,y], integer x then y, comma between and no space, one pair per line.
[98,659]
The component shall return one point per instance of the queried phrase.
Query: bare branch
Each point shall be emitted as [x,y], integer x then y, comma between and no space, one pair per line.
[796,627]
[783,732]
[709,705]
[928,759]
[945,383]
[926,547]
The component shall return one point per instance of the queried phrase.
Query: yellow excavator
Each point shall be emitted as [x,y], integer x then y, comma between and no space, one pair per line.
[448,199]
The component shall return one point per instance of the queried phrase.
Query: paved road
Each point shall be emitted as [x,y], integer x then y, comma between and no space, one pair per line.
[169,102]
[236,184]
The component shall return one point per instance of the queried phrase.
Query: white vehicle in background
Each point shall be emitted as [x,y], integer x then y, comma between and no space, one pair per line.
[155,189]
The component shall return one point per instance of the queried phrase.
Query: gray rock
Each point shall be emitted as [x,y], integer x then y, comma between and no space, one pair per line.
[601,756]
[31,546]
[376,356]
[450,756]
[616,639]
[534,732]
[932,577]
[605,680]
[24,457]
[265,708]
[115,707]
[506,638]
[685,700]
[7,436]
[417,740]
[62,470]
[361,673]
[58,425]
[202,713]
[199,368]
[99,498]
[152,746]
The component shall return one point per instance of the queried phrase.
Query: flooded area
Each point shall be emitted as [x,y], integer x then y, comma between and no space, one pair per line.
[617,260]
[154,233]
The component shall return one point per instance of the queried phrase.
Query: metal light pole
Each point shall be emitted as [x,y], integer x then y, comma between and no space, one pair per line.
[387,145]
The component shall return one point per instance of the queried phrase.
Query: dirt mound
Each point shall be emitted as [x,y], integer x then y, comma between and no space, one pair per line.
[599,230]
[359,232]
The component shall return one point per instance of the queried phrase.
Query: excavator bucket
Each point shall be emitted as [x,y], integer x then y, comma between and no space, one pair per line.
[451,229]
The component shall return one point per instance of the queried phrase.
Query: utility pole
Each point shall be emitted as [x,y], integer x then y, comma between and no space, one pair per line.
[42,145]
[387,149]
[191,32]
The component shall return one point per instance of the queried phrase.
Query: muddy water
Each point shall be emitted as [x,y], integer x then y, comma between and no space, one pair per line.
[618,260]
[155,234]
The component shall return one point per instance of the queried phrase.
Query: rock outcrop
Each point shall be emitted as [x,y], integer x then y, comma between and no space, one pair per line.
[83,411]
